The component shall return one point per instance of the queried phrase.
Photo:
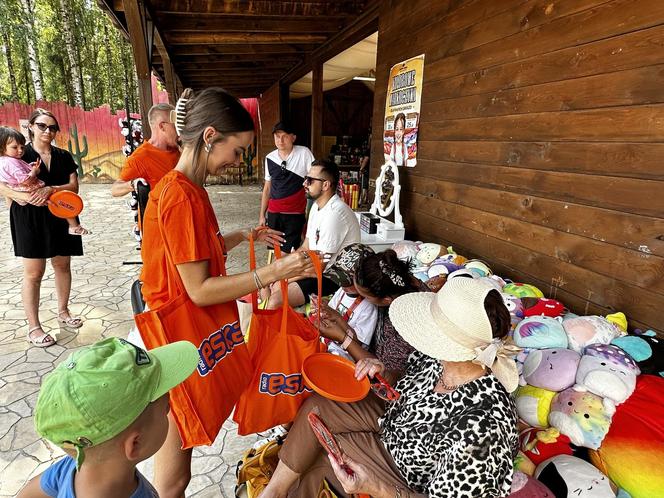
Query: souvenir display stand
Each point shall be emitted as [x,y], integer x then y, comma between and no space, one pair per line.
[377,231]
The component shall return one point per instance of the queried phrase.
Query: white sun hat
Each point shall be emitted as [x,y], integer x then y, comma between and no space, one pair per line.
[452,325]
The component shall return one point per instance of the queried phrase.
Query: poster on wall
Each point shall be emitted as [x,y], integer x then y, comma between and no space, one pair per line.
[402,111]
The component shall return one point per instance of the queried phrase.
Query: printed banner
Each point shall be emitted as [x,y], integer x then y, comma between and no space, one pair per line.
[402,111]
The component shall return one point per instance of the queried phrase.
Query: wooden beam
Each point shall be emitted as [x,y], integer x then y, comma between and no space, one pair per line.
[167,70]
[235,58]
[180,52]
[317,110]
[138,36]
[212,22]
[245,64]
[264,7]
[363,26]
[229,38]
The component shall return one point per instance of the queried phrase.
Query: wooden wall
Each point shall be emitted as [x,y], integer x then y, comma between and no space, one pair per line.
[541,145]
[270,114]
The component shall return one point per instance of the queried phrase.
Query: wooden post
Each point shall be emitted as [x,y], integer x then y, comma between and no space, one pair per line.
[138,36]
[317,110]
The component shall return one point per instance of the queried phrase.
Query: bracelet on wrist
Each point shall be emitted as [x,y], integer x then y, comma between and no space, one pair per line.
[257,281]
[350,335]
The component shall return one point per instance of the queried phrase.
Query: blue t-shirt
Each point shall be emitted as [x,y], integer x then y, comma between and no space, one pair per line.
[58,481]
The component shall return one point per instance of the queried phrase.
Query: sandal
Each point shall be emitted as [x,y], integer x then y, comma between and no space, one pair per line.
[73,322]
[41,342]
[79,230]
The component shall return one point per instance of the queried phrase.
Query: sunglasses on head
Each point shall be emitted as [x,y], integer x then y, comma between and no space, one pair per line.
[44,127]
[311,179]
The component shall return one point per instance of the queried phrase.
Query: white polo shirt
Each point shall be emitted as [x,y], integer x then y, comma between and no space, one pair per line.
[333,227]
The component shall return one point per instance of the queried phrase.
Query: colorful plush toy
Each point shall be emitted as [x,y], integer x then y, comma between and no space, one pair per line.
[609,372]
[479,266]
[533,405]
[582,416]
[570,477]
[523,464]
[552,369]
[646,349]
[522,290]
[539,445]
[632,453]
[428,252]
[584,330]
[524,486]
[540,332]
[406,250]
[619,319]
[545,307]
[515,307]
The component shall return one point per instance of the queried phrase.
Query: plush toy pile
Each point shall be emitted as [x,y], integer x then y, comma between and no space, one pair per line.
[589,391]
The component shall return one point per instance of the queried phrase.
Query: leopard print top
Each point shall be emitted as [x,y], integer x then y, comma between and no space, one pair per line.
[459,444]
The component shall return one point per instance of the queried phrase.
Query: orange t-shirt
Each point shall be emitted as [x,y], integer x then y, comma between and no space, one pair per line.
[149,162]
[189,224]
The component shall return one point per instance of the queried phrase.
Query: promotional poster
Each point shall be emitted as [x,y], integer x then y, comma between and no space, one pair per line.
[402,111]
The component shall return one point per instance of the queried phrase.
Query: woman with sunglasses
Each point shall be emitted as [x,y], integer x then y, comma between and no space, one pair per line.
[38,235]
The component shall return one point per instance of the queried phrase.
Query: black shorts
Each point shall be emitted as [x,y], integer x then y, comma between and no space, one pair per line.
[291,224]
[310,286]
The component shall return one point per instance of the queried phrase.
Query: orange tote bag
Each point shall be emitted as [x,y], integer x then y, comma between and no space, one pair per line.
[279,342]
[202,403]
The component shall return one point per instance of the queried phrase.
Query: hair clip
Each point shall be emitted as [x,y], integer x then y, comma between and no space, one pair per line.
[391,274]
[180,113]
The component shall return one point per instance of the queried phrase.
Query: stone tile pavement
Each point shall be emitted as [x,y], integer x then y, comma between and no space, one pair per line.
[100,293]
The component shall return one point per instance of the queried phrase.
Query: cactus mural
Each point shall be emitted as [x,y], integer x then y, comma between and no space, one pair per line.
[78,154]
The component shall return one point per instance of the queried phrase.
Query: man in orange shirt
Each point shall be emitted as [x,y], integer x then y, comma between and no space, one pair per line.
[154,158]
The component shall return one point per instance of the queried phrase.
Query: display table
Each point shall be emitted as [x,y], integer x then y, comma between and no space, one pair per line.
[386,235]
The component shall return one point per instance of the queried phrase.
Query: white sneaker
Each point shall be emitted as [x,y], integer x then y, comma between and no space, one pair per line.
[270,435]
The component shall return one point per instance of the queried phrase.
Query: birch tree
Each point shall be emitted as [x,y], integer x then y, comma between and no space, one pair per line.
[72,58]
[28,7]
[6,41]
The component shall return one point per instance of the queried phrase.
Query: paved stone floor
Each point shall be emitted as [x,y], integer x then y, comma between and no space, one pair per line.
[100,293]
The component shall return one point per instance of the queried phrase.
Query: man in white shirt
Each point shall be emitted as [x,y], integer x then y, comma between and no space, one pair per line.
[283,203]
[332,226]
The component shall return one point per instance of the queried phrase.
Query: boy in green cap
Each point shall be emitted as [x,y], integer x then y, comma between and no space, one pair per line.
[106,406]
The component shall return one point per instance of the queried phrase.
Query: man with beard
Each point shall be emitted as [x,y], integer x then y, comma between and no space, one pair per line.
[332,226]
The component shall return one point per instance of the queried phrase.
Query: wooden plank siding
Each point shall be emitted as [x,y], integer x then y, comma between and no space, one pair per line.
[540,143]
[270,114]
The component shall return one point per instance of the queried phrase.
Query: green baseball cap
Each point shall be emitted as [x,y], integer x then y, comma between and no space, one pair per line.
[99,390]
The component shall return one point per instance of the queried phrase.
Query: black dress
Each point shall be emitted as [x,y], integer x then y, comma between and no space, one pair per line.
[36,233]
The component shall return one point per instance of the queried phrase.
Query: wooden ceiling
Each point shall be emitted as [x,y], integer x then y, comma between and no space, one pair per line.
[244,46]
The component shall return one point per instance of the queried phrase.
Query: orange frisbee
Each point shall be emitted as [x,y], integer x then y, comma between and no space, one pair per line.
[65,204]
[334,377]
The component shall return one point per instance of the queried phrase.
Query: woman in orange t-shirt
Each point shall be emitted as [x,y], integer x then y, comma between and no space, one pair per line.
[215,131]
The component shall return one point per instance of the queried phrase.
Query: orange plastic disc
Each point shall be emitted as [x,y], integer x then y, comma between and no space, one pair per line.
[65,204]
[334,377]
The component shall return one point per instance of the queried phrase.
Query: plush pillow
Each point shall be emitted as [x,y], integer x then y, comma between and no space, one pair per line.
[428,252]
[570,477]
[632,453]
[515,307]
[533,405]
[553,369]
[582,416]
[522,290]
[436,283]
[538,445]
[619,319]
[606,370]
[540,332]
[646,349]
[479,266]
[585,330]
[524,486]
[546,307]
[406,250]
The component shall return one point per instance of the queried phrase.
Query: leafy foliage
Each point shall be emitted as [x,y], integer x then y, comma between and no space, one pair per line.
[103,55]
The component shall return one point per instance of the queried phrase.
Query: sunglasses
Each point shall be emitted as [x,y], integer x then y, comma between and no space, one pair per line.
[283,164]
[50,128]
[383,389]
[311,179]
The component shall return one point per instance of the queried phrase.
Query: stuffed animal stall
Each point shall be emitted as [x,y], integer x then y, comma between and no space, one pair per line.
[533,405]
[582,416]
[522,290]
[646,349]
[570,477]
[538,445]
[524,486]
[609,372]
[585,330]
[540,332]
[632,453]
[552,369]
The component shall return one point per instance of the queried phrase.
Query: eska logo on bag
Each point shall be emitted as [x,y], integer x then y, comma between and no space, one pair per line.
[220,343]
[278,383]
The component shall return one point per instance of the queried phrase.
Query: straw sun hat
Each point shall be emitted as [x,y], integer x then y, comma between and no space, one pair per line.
[452,325]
